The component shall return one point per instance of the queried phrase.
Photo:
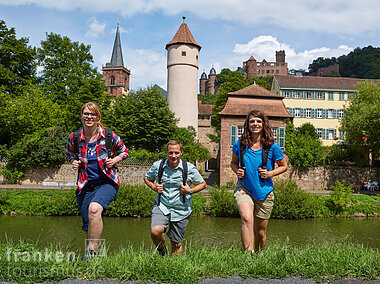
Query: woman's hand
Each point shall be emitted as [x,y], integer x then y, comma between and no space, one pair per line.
[264,173]
[76,164]
[240,172]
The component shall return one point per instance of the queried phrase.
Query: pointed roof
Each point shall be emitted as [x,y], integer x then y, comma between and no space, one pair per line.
[255,97]
[117,55]
[184,36]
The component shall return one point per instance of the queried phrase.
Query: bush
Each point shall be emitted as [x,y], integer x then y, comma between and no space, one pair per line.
[340,197]
[222,203]
[198,204]
[291,201]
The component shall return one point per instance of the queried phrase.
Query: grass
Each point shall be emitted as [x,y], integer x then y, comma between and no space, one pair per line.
[320,262]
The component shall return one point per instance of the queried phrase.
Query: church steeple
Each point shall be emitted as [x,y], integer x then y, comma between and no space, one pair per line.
[115,74]
[117,55]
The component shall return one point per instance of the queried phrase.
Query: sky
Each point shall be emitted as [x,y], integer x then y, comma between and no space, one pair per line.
[229,31]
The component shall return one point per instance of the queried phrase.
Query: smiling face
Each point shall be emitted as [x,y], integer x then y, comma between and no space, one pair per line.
[255,125]
[89,117]
[173,153]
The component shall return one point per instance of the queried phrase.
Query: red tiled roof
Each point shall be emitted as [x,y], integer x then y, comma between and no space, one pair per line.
[242,106]
[204,109]
[315,82]
[183,35]
[255,90]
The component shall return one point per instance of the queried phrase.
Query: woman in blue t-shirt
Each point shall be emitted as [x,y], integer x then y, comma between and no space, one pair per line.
[254,189]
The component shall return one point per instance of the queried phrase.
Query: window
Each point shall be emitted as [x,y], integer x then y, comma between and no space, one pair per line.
[281,137]
[319,113]
[183,53]
[112,80]
[331,96]
[308,95]
[350,96]
[297,112]
[341,135]
[235,133]
[196,57]
[275,132]
[319,132]
[341,113]
[330,134]
[330,113]
[341,96]
[285,94]
[296,95]
[319,96]
[308,112]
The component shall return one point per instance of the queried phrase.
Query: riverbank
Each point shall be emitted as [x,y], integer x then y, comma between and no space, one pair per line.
[23,262]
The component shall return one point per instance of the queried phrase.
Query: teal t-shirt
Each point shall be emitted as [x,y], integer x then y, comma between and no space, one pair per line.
[253,161]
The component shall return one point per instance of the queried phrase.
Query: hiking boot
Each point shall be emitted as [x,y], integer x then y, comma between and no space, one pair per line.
[162,251]
[88,254]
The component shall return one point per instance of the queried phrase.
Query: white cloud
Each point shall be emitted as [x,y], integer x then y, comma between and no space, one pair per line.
[122,30]
[96,28]
[335,17]
[265,47]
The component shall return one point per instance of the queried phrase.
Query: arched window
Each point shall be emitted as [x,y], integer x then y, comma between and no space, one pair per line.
[112,80]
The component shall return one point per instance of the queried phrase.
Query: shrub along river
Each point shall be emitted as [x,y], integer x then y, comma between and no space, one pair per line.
[210,231]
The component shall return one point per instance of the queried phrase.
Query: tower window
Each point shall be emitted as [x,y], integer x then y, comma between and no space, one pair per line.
[183,53]
[112,80]
[196,57]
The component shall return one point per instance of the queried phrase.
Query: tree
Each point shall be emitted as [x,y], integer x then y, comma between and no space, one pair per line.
[142,119]
[30,111]
[361,121]
[321,62]
[17,66]
[302,146]
[67,76]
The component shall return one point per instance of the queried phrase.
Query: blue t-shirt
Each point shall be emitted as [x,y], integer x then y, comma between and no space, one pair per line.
[95,174]
[253,161]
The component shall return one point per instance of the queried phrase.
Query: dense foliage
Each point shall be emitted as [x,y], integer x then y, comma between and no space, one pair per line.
[359,63]
[302,145]
[17,66]
[361,122]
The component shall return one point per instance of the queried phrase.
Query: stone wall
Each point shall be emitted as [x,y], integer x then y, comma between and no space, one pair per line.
[314,178]
[66,176]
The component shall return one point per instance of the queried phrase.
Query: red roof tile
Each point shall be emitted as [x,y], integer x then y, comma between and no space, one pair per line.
[242,106]
[204,109]
[183,35]
[255,90]
[314,82]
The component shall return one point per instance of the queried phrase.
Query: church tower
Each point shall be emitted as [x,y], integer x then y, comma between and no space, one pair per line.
[182,84]
[114,73]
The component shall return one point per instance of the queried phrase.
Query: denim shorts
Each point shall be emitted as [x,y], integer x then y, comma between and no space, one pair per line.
[176,229]
[103,193]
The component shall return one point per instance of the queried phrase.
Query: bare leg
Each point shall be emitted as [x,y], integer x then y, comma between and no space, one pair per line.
[176,248]
[246,214]
[260,233]
[158,236]
[96,225]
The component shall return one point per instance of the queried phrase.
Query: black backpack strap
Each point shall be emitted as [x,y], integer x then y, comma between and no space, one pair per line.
[242,152]
[159,177]
[184,178]
[184,173]
[109,142]
[76,144]
[264,156]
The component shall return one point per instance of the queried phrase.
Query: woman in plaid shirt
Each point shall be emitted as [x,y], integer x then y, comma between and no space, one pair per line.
[98,181]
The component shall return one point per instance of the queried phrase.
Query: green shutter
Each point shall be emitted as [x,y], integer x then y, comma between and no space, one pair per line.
[334,133]
[281,136]
[233,135]
[323,133]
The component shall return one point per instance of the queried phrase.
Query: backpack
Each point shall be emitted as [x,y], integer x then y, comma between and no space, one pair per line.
[161,172]
[108,143]
[264,156]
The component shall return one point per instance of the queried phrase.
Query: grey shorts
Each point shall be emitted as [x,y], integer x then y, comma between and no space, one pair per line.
[176,229]
[262,208]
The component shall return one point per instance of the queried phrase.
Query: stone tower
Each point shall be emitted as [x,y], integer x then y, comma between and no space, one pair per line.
[212,81]
[182,84]
[114,73]
[202,83]
[280,56]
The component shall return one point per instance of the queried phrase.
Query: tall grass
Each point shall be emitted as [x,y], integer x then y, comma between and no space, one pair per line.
[320,262]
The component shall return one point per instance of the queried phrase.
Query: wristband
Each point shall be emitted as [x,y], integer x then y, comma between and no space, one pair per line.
[191,191]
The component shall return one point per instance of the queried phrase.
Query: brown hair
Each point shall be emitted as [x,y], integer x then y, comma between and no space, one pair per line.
[174,142]
[94,108]
[266,134]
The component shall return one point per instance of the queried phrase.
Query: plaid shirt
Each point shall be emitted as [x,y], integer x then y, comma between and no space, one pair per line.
[101,153]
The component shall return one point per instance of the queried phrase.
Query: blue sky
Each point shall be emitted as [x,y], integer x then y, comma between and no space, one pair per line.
[229,31]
